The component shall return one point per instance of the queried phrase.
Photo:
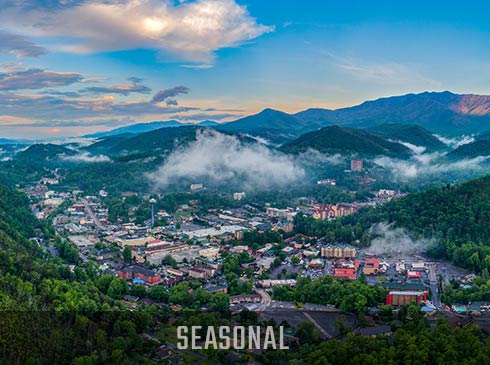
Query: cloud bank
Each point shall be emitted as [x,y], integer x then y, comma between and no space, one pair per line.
[428,164]
[19,46]
[395,241]
[456,141]
[86,157]
[167,95]
[35,78]
[189,30]
[222,159]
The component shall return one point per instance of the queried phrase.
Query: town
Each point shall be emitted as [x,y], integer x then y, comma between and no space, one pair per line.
[192,245]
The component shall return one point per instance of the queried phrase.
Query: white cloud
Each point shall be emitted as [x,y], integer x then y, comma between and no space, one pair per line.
[312,157]
[222,159]
[86,157]
[456,141]
[428,164]
[395,241]
[414,148]
[191,31]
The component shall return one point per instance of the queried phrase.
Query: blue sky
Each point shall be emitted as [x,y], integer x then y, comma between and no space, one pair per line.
[78,66]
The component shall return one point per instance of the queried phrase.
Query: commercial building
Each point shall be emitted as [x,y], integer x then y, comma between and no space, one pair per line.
[344,273]
[406,297]
[285,214]
[134,271]
[248,298]
[332,211]
[371,267]
[339,251]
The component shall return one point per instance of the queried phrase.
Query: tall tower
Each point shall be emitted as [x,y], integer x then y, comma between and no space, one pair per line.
[152,203]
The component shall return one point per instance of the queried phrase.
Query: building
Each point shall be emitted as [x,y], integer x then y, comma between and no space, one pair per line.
[385,193]
[330,182]
[356,165]
[197,273]
[248,298]
[406,297]
[418,266]
[317,263]
[197,187]
[211,252]
[345,273]
[332,211]
[218,288]
[204,234]
[267,283]
[338,251]
[201,272]
[239,249]
[142,241]
[413,275]
[134,271]
[239,196]
[174,272]
[285,214]
[371,267]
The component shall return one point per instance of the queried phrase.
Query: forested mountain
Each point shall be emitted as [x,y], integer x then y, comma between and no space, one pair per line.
[161,139]
[441,112]
[410,133]
[104,144]
[137,128]
[149,126]
[471,150]
[57,312]
[43,152]
[271,124]
[483,135]
[346,141]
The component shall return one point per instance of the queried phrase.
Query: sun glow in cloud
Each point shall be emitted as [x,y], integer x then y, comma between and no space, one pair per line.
[192,31]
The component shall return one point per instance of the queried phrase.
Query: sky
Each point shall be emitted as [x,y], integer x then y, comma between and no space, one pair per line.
[73,67]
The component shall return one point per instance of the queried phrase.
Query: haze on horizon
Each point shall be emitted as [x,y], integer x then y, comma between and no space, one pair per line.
[90,65]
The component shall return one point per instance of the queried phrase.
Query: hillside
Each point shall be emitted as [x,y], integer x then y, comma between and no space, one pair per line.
[104,144]
[273,125]
[471,150]
[483,135]
[409,133]
[346,141]
[43,152]
[161,139]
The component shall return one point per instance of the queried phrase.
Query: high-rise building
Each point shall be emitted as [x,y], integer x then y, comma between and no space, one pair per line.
[356,165]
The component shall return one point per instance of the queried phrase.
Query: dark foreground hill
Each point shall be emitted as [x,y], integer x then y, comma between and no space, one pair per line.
[346,141]
[410,133]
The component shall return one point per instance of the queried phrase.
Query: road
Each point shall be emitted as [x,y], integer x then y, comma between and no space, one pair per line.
[91,214]
[434,287]
[266,299]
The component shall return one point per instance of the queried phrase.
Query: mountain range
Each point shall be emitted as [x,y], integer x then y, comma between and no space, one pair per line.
[444,113]
[148,127]
[441,112]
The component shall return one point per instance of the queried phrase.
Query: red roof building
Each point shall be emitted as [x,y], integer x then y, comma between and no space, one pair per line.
[344,273]
[413,274]
[132,272]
